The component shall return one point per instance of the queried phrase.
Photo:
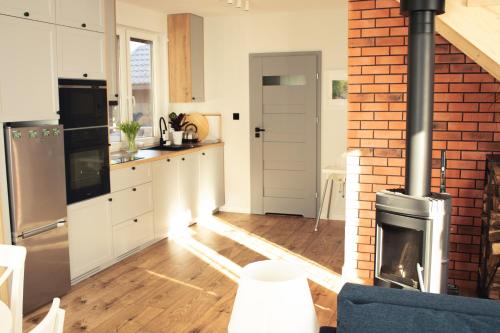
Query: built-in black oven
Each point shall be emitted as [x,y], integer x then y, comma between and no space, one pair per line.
[83,106]
[83,103]
[87,163]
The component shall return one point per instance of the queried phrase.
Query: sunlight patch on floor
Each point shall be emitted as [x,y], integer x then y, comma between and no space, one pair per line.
[208,255]
[189,285]
[315,272]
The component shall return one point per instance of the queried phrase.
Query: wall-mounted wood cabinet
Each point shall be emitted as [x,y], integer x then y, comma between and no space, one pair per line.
[186,58]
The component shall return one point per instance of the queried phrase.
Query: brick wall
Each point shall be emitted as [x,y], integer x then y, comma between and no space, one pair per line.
[466,124]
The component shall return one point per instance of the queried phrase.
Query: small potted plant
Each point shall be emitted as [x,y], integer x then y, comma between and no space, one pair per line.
[130,129]
[177,122]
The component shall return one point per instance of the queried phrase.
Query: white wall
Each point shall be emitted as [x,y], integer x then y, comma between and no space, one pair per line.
[228,43]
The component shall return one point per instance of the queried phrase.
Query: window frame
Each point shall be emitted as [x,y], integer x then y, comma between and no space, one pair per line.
[124,36]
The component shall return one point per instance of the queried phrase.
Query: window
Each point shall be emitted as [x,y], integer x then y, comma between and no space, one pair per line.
[137,55]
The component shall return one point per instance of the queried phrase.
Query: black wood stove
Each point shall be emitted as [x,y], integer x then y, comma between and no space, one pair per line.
[413,224]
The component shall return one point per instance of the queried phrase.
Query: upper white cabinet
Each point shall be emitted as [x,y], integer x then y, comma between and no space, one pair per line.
[211,185]
[83,14]
[80,54]
[90,235]
[39,10]
[28,77]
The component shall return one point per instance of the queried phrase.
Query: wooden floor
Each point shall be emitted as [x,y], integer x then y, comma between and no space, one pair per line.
[187,285]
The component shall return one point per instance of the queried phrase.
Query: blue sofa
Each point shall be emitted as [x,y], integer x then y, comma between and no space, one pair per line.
[373,309]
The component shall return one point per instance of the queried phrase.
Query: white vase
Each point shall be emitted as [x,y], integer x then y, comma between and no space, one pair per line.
[177,137]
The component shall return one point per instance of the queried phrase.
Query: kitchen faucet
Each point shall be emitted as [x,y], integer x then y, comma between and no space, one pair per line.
[163,131]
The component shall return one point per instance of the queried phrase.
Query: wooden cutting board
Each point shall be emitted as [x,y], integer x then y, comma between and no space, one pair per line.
[201,123]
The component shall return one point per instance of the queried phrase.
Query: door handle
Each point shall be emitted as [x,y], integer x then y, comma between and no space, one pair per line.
[258,130]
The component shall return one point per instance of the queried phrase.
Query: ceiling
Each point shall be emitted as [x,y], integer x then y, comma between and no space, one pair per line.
[220,7]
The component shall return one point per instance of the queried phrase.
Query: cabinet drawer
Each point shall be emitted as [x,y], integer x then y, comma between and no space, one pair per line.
[133,176]
[132,233]
[131,202]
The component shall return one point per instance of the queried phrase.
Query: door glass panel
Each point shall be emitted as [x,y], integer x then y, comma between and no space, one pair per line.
[402,251]
[86,169]
[141,74]
[284,80]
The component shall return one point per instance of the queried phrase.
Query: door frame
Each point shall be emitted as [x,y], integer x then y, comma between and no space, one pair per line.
[256,178]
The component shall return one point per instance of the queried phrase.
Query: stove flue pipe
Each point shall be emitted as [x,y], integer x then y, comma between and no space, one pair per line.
[420,95]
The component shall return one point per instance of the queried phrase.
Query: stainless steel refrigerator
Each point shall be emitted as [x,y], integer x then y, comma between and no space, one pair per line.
[37,194]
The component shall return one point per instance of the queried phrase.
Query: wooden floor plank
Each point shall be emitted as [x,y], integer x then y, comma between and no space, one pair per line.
[179,286]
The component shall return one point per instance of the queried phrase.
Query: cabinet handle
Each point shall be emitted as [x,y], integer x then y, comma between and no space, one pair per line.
[84,25]
[193,98]
[27,14]
[110,199]
[203,154]
[85,75]
[135,220]
[133,168]
[134,189]
[168,159]
[183,159]
[58,112]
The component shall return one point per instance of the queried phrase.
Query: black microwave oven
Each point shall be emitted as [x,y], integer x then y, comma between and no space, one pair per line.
[83,103]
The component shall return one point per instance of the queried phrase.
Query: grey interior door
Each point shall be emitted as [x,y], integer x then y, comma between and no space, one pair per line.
[284,126]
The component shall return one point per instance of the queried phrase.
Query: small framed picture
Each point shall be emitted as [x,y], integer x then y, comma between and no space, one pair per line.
[336,85]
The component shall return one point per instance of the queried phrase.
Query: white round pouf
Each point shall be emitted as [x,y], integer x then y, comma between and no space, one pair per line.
[273,297]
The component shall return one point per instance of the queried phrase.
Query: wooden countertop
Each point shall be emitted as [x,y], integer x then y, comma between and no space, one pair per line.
[149,156]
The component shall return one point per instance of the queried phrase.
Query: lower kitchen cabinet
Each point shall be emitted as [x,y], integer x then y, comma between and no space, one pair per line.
[90,236]
[131,234]
[149,202]
[131,202]
[188,187]
[166,195]
[211,183]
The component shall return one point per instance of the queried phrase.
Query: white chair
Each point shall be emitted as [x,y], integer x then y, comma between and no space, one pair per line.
[53,321]
[12,259]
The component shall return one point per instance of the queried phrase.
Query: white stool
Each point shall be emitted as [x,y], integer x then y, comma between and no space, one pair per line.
[333,176]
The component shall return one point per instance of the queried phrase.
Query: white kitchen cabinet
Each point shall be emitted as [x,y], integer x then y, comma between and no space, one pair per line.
[90,238]
[38,10]
[189,186]
[131,202]
[211,185]
[132,234]
[166,196]
[86,14]
[129,177]
[80,54]
[111,52]
[28,79]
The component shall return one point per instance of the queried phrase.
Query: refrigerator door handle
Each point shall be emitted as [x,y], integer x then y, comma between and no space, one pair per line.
[31,233]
